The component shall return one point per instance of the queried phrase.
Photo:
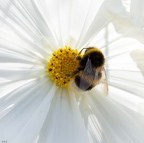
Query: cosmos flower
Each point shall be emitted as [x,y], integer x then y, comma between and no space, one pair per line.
[33,109]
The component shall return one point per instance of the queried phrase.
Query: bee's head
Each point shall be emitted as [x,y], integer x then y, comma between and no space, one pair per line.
[96,56]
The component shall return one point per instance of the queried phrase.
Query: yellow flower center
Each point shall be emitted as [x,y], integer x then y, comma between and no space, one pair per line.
[62,63]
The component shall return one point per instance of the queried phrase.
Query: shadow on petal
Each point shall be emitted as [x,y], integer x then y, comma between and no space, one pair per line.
[138,58]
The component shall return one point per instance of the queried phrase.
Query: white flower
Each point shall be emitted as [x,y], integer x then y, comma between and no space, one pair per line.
[33,109]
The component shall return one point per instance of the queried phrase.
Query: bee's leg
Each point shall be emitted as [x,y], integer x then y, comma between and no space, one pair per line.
[74,72]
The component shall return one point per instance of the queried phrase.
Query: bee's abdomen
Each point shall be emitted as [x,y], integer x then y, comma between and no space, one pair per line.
[82,83]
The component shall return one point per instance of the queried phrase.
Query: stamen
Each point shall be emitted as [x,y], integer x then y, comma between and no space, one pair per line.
[62,63]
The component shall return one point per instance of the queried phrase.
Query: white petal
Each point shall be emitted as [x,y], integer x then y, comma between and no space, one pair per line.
[63,122]
[118,28]
[110,10]
[23,19]
[137,12]
[126,4]
[28,111]
[69,19]
[111,123]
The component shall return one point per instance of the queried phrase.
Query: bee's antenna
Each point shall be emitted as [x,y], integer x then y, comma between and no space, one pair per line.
[79,57]
[81,50]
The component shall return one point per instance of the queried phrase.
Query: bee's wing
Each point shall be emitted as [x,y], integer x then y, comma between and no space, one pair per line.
[87,76]
[104,81]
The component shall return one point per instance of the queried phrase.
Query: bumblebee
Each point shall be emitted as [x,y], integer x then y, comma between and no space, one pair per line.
[91,70]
